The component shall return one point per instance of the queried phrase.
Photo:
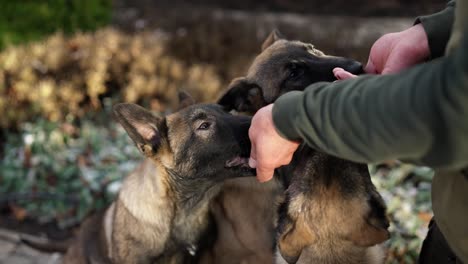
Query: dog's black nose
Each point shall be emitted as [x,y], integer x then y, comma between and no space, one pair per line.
[355,67]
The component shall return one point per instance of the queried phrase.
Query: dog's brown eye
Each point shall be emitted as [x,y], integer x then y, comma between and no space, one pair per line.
[204,126]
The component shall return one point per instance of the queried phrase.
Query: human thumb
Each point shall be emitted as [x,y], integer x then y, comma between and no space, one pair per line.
[370,68]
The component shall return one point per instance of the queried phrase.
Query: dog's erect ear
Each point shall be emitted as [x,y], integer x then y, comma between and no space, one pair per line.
[185,99]
[141,125]
[293,239]
[242,96]
[272,38]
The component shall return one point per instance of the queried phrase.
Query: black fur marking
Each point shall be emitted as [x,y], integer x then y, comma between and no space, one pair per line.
[465,173]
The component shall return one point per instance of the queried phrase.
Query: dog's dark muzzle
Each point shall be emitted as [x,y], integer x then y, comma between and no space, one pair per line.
[354,67]
[240,126]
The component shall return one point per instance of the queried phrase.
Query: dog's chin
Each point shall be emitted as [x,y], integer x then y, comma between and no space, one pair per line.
[241,165]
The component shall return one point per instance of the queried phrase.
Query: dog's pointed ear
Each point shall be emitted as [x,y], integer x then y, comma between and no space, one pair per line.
[235,95]
[293,239]
[185,99]
[141,125]
[242,96]
[272,38]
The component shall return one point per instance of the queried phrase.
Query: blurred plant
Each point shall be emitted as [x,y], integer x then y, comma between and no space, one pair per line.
[22,21]
[70,76]
[62,164]
[406,190]
[62,172]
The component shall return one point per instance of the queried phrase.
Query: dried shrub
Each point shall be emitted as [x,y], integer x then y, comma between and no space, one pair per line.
[69,76]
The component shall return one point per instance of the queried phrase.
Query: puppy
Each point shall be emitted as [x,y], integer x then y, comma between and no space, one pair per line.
[162,212]
[331,212]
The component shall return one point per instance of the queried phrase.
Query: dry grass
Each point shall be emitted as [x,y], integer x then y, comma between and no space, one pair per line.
[62,77]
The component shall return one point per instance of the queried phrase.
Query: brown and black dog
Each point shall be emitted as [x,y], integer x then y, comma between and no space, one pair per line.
[162,212]
[332,212]
[282,66]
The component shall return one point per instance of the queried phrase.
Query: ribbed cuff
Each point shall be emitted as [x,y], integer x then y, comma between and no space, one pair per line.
[438,28]
[285,111]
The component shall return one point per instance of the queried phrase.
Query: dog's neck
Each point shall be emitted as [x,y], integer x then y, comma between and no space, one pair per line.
[147,192]
[143,193]
[349,255]
[192,192]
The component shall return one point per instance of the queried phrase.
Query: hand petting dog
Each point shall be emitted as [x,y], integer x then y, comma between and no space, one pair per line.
[275,151]
[394,52]
[391,53]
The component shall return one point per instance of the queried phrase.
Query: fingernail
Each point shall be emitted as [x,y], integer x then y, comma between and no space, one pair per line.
[337,69]
[252,163]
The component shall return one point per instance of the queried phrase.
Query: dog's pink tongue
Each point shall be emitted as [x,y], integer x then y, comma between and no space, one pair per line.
[237,161]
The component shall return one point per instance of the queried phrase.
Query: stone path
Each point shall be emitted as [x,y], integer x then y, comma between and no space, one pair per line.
[13,251]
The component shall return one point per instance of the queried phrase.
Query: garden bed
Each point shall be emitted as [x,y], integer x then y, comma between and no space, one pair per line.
[63,156]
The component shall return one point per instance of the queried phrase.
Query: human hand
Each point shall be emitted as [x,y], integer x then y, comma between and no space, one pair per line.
[397,51]
[394,52]
[269,149]
[342,74]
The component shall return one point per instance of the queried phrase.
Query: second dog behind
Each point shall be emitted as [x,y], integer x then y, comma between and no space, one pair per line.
[332,212]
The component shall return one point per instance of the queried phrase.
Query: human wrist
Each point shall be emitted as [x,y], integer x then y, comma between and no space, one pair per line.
[438,28]
[284,112]
[419,41]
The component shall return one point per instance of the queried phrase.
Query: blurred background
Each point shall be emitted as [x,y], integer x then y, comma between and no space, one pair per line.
[64,63]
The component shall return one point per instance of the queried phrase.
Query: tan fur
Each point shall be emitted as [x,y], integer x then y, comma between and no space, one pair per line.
[373,255]
[136,213]
[245,213]
[141,200]
[90,245]
[162,212]
[325,230]
[340,216]
[108,226]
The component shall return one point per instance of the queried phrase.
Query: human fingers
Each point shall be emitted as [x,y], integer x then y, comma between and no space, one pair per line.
[264,174]
[253,156]
[370,67]
[341,74]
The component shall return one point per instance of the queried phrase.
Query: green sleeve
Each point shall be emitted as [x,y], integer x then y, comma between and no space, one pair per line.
[438,28]
[419,115]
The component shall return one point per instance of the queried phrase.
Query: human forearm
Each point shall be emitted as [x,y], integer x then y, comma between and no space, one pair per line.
[418,115]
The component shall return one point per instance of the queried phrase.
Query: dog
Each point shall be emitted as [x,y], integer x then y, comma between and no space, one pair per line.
[245,217]
[162,212]
[282,66]
[331,212]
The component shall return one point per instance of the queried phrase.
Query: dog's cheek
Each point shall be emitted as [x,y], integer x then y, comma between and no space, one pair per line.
[369,230]
[369,236]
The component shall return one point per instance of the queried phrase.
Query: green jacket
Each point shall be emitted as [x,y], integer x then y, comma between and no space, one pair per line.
[438,28]
[419,115]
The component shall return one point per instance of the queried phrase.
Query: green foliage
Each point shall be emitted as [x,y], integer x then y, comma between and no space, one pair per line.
[61,171]
[27,20]
[68,159]
[406,190]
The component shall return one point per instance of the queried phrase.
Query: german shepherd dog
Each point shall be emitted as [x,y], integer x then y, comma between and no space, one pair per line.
[331,212]
[162,212]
